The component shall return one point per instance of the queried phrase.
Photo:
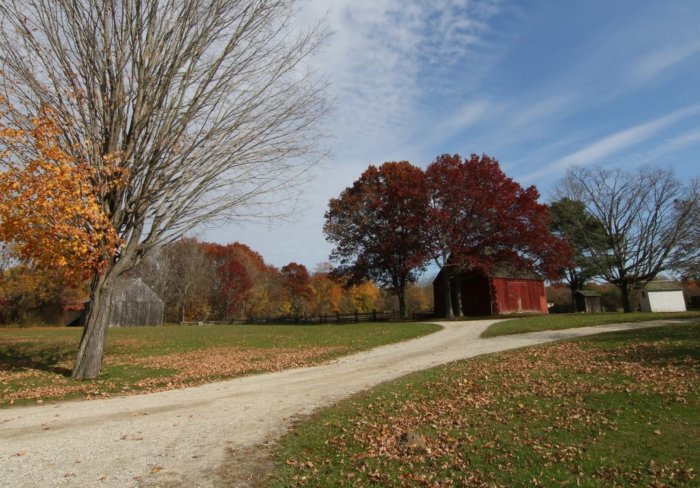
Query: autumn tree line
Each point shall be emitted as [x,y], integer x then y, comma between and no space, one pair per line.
[202,281]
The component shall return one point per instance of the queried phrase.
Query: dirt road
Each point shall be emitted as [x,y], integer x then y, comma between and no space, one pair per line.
[181,437]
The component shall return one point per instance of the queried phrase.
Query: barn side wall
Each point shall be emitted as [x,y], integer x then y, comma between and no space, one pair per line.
[481,295]
[137,314]
[512,295]
[439,305]
[136,305]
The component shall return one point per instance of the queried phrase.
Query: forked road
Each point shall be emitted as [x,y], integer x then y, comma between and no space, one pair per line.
[180,437]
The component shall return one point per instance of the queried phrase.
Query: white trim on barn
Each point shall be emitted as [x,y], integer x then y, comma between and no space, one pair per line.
[661,300]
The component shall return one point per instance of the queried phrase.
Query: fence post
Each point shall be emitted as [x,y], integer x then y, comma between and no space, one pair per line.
[374,315]
[357,318]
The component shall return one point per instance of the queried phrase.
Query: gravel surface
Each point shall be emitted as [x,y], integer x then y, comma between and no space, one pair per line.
[182,437]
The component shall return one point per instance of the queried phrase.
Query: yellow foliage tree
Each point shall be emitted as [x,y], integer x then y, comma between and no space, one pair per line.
[328,295]
[364,296]
[49,208]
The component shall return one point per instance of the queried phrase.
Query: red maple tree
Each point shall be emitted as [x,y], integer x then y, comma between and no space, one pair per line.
[482,219]
[235,265]
[296,280]
[378,226]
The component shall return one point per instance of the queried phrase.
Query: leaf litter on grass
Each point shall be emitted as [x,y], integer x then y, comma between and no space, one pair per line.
[563,414]
[130,373]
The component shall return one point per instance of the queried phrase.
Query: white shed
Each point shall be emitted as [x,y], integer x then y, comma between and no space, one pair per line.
[661,297]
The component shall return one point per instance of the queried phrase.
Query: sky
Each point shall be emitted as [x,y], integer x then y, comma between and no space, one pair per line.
[539,85]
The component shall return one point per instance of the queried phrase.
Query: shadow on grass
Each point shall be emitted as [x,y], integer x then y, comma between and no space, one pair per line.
[669,345]
[16,358]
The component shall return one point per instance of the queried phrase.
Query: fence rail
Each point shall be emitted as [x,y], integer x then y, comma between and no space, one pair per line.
[338,318]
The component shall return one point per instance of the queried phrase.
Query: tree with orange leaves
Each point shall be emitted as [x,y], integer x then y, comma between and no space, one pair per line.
[49,207]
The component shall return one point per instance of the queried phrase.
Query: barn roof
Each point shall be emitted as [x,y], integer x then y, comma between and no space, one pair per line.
[587,293]
[507,273]
[663,286]
[503,272]
[133,290]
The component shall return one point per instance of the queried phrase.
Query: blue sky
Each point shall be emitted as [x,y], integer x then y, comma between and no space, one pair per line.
[539,85]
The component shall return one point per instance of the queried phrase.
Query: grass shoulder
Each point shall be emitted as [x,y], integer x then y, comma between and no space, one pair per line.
[35,363]
[618,409]
[538,323]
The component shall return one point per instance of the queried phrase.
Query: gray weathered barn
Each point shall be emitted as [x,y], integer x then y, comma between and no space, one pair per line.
[588,301]
[134,304]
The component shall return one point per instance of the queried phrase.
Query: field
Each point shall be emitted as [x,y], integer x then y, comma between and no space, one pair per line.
[617,409]
[537,323]
[35,363]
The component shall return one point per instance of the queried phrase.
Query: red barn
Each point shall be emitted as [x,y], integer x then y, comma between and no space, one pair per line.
[498,293]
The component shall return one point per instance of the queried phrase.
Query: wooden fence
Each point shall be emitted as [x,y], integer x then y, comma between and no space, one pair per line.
[338,318]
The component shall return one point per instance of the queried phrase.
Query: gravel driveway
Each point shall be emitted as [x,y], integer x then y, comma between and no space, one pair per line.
[183,437]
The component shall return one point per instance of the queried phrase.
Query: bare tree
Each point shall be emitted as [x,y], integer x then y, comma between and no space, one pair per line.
[192,280]
[182,275]
[689,264]
[205,107]
[646,216]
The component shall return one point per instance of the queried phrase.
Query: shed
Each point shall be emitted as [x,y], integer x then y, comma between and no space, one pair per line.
[134,304]
[496,293]
[588,301]
[662,296]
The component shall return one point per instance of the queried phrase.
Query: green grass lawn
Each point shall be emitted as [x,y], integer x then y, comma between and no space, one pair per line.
[618,409]
[35,363]
[568,321]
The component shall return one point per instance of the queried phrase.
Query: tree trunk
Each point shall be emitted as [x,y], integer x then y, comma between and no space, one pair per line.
[401,293]
[575,284]
[447,293]
[92,343]
[624,291]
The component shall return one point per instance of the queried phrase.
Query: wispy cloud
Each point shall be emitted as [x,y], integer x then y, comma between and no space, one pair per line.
[386,56]
[665,149]
[542,111]
[465,117]
[613,143]
[659,61]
